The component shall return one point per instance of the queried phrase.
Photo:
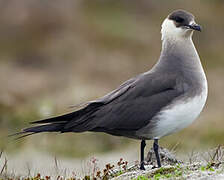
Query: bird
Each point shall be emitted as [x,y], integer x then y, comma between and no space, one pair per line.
[151,105]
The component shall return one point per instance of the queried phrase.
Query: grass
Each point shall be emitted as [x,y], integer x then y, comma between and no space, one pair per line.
[94,172]
[211,166]
[163,172]
[176,172]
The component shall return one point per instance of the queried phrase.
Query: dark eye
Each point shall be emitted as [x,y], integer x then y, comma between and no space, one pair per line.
[179,19]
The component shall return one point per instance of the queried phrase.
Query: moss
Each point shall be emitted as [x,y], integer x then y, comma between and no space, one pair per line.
[169,172]
[208,167]
[119,173]
[163,171]
[141,178]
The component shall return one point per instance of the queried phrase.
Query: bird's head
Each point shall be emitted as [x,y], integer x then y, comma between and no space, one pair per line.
[178,25]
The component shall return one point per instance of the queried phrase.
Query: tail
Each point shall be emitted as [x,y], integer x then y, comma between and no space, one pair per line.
[77,121]
[53,127]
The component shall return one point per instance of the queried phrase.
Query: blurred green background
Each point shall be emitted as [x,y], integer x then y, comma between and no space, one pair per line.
[54,54]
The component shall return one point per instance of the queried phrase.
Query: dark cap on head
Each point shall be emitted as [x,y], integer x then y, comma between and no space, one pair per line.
[183,18]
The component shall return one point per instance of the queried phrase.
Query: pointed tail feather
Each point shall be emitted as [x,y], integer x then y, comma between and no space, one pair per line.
[21,135]
[77,121]
[56,127]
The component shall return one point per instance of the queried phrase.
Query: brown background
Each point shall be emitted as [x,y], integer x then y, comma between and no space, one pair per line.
[54,54]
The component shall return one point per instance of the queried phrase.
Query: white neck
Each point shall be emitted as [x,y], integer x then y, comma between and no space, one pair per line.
[170,32]
[171,44]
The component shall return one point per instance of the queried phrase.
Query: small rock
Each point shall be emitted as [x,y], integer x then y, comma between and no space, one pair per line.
[167,157]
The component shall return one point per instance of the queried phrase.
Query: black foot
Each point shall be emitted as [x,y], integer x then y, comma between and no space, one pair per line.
[156,150]
[142,167]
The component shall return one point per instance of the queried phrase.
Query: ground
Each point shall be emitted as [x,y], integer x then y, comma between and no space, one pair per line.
[206,165]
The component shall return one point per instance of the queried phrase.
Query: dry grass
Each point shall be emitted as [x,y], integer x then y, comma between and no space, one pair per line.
[209,164]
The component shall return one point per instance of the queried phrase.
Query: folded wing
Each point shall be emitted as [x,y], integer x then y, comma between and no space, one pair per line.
[128,108]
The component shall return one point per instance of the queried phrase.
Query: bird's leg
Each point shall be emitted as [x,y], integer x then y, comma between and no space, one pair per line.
[142,155]
[156,148]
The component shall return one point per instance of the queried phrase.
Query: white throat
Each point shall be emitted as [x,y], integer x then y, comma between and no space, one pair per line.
[170,32]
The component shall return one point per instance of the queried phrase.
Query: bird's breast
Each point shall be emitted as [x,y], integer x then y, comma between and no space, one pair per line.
[180,113]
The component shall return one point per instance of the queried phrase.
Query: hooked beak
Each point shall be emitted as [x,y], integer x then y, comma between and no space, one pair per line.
[194,26]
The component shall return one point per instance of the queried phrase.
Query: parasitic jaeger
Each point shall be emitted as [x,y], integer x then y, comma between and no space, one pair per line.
[156,103]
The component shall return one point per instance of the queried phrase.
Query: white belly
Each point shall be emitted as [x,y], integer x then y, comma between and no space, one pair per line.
[178,116]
